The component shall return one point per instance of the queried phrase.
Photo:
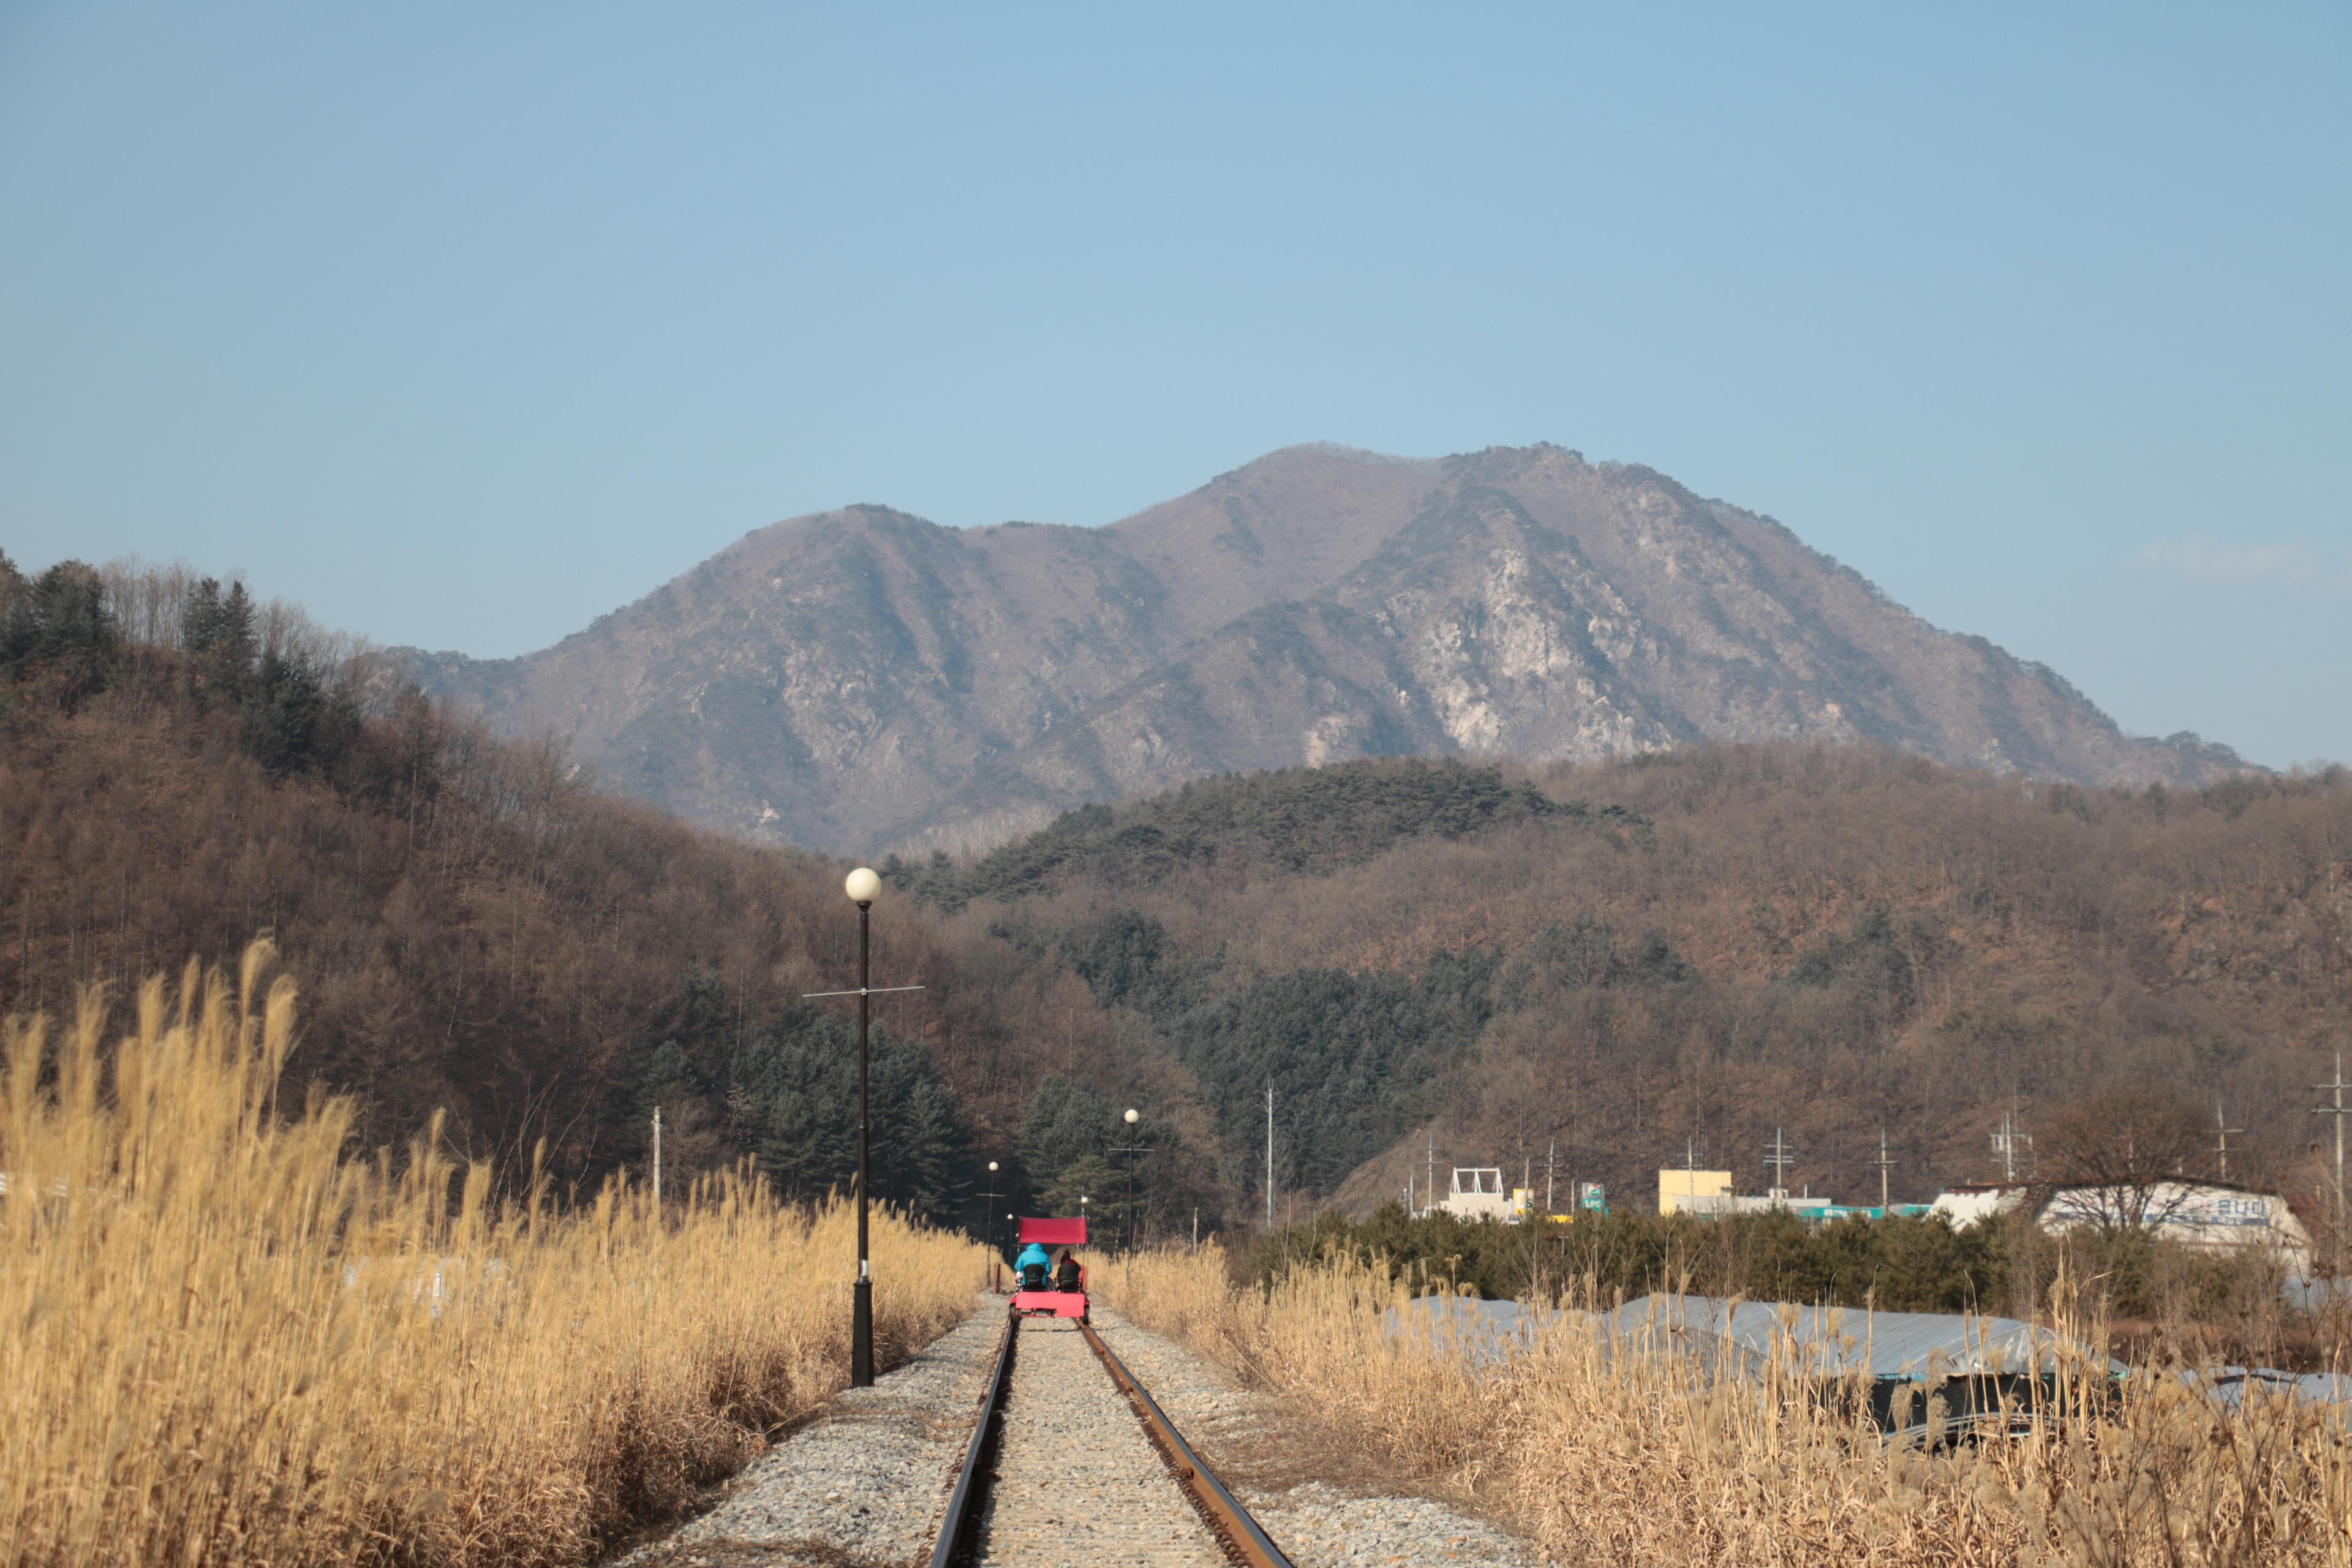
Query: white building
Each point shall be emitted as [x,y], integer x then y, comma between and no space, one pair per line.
[2209,1216]
[1967,1205]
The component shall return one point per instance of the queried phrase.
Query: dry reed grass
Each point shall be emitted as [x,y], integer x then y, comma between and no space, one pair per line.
[223,1339]
[1639,1458]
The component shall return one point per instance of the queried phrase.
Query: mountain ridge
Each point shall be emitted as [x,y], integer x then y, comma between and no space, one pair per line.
[863,678]
[1716,943]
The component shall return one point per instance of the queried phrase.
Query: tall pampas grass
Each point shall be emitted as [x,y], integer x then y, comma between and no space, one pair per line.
[226,1338]
[1624,1455]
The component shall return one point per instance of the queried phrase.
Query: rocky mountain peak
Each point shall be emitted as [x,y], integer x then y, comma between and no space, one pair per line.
[864,677]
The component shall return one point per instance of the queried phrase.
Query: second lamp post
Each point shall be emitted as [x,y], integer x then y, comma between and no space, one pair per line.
[1130,1149]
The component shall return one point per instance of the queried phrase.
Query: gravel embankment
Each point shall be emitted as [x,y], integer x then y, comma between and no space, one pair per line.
[862,1486]
[865,1484]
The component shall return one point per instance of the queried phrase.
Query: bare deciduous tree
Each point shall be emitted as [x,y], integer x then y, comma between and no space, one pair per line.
[2117,1159]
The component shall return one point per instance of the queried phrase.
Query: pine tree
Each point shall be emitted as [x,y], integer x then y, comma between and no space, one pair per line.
[217,632]
[59,628]
[801,1080]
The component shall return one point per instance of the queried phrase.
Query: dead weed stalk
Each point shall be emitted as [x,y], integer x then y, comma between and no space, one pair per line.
[225,1339]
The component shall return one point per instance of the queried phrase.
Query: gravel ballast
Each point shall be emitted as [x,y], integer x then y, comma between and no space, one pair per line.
[865,1484]
[1317,1524]
[1076,1480]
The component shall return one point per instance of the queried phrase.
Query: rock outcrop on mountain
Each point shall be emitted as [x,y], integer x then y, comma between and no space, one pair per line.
[861,678]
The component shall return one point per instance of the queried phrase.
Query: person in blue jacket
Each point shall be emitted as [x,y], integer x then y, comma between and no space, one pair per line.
[1032,1265]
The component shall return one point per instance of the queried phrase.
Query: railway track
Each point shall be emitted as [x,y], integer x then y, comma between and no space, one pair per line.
[1071,1461]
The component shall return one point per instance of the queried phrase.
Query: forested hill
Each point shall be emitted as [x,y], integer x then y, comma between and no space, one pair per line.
[1621,960]
[477,932]
[1296,820]
[1633,963]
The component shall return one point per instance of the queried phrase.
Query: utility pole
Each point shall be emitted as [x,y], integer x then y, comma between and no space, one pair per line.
[1551,1158]
[1884,1163]
[2006,1143]
[2221,1144]
[1269,1151]
[657,1162]
[1780,1159]
[2337,1109]
[1429,1182]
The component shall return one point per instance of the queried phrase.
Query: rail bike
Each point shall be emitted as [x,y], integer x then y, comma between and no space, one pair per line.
[1041,1290]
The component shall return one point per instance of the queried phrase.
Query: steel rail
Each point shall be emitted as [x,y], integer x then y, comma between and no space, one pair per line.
[1227,1519]
[1237,1532]
[963,1511]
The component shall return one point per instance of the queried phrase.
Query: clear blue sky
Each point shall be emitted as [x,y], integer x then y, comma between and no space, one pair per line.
[462,324]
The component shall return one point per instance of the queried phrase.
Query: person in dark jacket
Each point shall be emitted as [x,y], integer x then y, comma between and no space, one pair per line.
[1066,1273]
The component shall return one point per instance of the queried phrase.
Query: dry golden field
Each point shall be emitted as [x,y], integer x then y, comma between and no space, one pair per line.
[225,1338]
[1637,1460]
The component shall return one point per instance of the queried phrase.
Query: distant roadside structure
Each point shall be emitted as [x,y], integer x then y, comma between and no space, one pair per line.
[1682,1189]
[1708,1195]
[2203,1215]
[1476,1192]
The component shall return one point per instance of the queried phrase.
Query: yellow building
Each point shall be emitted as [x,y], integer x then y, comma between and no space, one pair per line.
[1678,1189]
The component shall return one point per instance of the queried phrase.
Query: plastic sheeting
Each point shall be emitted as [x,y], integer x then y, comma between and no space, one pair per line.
[1837,1342]
[2228,1385]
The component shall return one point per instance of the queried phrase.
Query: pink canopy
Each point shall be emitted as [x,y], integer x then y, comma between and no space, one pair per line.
[1053,1232]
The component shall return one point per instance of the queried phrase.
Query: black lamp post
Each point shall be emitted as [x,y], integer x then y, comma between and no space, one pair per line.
[863,887]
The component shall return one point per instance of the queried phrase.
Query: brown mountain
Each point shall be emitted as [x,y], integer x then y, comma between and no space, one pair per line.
[862,677]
